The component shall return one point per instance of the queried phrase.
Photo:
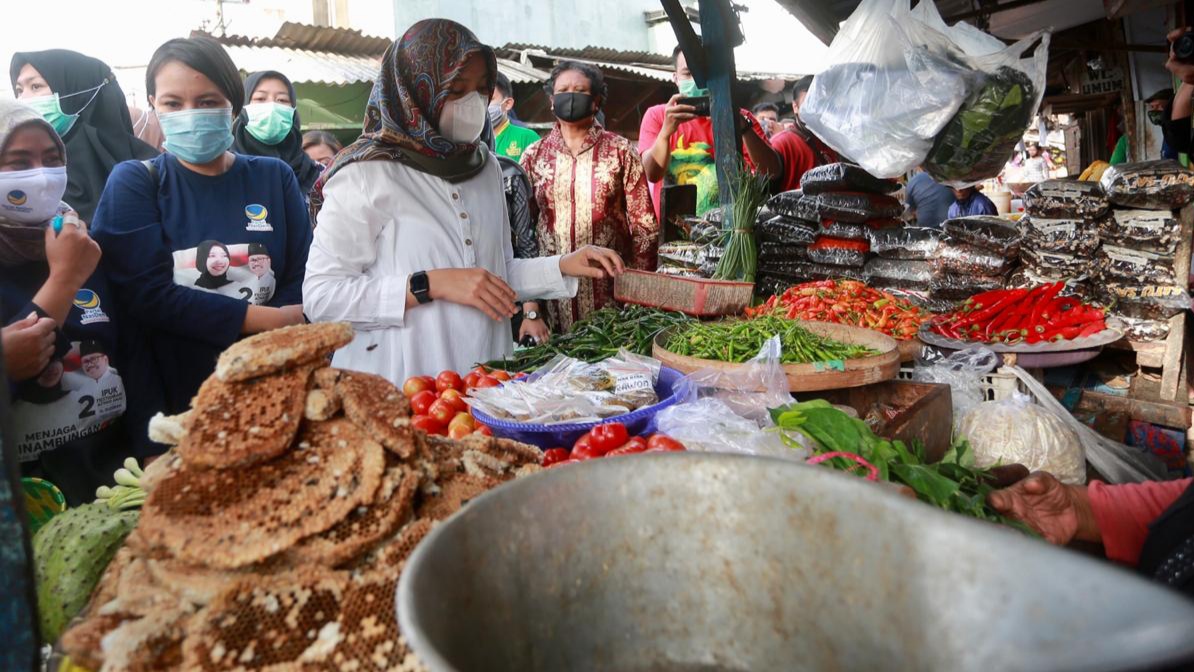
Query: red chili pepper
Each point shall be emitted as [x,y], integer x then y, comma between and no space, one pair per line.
[1092,328]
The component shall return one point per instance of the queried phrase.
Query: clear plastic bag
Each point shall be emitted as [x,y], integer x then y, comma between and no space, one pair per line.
[781,252]
[844,177]
[1148,230]
[1149,184]
[855,206]
[965,371]
[888,273]
[1139,329]
[1066,199]
[795,272]
[992,234]
[839,251]
[710,425]
[1026,278]
[1018,431]
[1145,301]
[950,287]
[748,390]
[1056,264]
[909,243]
[1120,263]
[683,255]
[1079,237]
[845,230]
[962,259]
[794,205]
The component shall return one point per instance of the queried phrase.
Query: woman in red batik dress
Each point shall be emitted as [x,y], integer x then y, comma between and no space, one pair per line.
[590,189]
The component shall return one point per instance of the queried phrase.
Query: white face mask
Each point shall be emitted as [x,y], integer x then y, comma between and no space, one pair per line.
[31,196]
[462,120]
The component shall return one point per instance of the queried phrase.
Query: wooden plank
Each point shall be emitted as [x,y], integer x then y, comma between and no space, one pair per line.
[1148,354]
[1156,412]
[1172,367]
[1181,264]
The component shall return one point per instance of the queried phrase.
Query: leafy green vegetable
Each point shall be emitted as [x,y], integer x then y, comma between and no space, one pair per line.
[953,484]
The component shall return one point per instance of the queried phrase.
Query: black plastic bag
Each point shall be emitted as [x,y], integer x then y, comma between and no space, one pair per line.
[962,259]
[855,206]
[1066,199]
[847,230]
[1149,184]
[908,243]
[892,273]
[844,177]
[781,252]
[784,229]
[794,205]
[839,251]
[993,234]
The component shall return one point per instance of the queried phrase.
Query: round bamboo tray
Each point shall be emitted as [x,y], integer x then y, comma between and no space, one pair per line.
[812,377]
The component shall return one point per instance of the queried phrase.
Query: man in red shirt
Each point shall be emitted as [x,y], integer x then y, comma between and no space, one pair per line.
[799,148]
[676,145]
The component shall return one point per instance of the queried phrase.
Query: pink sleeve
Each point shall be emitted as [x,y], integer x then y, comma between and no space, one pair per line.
[648,130]
[1124,513]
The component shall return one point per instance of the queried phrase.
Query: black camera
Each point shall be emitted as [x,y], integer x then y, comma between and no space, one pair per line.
[1183,48]
[701,103]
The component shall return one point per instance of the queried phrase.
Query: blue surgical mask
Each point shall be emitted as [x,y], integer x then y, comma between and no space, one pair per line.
[689,89]
[197,136]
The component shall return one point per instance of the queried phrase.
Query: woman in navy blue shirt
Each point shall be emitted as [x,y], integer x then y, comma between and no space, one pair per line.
[68,398]
[184,237]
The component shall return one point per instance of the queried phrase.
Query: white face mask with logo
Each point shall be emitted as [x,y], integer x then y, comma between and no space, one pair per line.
[31,196]
[463,119]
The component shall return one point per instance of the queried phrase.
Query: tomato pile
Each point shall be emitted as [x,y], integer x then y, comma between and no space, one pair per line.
[438,403]
[848,302]
[609,440]
[1012,316]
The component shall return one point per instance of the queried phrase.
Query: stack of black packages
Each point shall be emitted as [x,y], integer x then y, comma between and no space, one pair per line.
[823,230]
[976,255]
[1136,266]
[1061,235]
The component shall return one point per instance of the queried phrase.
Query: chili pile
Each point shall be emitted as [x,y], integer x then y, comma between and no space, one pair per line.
[1012,316]
[847,302]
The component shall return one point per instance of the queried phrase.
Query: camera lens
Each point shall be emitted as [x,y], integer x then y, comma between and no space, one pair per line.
[1183,48]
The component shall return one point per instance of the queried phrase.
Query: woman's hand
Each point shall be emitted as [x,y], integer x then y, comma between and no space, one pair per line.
[71,254]
[1060,513]
[28,346]
[474,287]
[594,262]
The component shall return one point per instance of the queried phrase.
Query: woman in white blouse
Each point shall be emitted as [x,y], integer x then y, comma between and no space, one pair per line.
[412,242]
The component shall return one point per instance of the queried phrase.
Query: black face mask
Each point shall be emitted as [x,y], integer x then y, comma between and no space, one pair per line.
[572,106]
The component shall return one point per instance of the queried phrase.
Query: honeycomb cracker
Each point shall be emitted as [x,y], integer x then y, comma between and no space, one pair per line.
[273,351]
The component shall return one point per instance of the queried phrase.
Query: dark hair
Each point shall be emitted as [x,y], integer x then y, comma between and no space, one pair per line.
[311,138]
[1164,94]
[204,55]
[258,248]
[764,107]
[502,84]
[676,55]
[91,347]
[801,84]
[592,73]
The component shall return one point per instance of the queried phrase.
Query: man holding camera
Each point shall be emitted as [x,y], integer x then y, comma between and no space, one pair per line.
[799,149]
[676,142]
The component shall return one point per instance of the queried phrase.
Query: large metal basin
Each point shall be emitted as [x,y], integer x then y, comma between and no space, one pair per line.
[720,562]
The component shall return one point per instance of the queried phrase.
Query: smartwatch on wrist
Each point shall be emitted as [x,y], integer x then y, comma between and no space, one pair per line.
[420,286]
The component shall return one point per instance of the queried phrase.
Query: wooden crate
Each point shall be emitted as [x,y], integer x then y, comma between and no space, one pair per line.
[695,296]
[923,411]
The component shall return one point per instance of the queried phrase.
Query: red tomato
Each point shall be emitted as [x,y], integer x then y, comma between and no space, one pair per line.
[487,381]
[448,380]
[583,450]
[415,385]
[553,455]
[501,375]
[480,371]
[520,376]
[636,445]
[427,424]
[484,430]
[421,403]
[663,443]
[608,437]
[458,431]
[470,381]
[465,420]
[456,399]
[442,411]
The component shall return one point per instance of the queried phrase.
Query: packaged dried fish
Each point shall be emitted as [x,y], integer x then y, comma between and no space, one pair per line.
[909,243]
[683,254]
[785,229]
[858,207]
[1057,264]
[1137,329]
[844,177]
[1078,237]
[839,251]
[795,204]
[1149,230]
[1149,184]
[1147,301]
[1066,199]
[781,252]
[889,273]
[1120,263]
[989,233]
[953,287]
[962,259]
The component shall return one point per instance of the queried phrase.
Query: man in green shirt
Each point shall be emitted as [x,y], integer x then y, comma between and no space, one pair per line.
[510,140]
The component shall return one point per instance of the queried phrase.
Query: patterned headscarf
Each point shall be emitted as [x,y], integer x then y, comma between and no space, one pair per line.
[408,96]
[19,242]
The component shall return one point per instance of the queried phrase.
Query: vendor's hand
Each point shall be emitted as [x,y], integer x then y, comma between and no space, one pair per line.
[28,346]
[1183,71]
[1058,512]
[594,262]
[536,329]
[674,115]
[71,254]
[474,287]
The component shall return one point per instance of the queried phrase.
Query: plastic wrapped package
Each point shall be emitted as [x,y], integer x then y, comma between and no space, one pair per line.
[844,177]
[1026,278]
[1078,237]
[952,287]
[855,206]
[965,372]
[795,272]
[1148,230]
[1018,431]
[1057,264]
[1144,301]
[1139,329]
[1149,184]
[1120,263]
[683,255]
[993,234]
[703,232]
[847,230]
[749,390]
[781,252]
[784,229]
[908,243]
[710,425]
[887,273]
[839,251]
[1066,199]
[795,205]
[963,259]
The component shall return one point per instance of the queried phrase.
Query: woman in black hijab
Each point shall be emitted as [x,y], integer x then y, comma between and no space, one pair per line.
[99,137]
[213,261]
[269,126]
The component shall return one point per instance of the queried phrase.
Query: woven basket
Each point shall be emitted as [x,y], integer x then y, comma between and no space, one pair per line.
[695,296]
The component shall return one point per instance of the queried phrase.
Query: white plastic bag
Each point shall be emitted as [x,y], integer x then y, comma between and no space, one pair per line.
[749,390]
[1019,431]
[709,425]
[965,372]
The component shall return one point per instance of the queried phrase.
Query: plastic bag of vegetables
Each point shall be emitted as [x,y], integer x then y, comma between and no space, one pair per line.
[1018,431]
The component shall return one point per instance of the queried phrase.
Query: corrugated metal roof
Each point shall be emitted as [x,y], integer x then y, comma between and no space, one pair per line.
[306,66]
[596,53]
[519,73]
[312,38]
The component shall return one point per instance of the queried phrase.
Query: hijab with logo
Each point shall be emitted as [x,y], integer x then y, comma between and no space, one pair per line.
[289,148]
[411,90]
[21,242]
[102,136]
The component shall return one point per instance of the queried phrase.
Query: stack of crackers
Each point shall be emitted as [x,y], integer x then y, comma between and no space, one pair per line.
[277,526]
